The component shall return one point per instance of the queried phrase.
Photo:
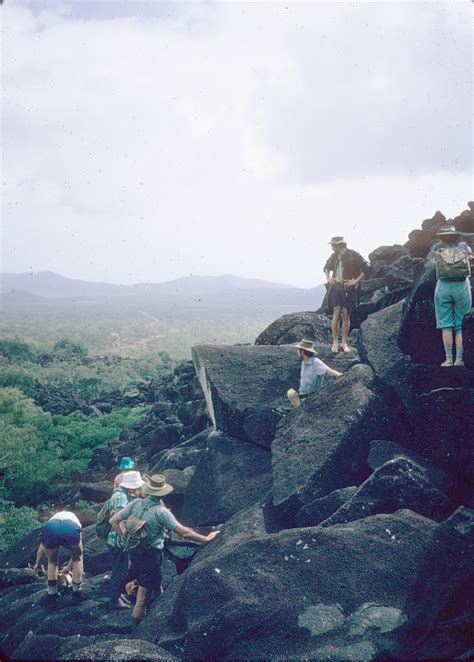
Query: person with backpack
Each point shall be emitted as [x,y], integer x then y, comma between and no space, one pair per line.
[344,270]
[146,522]
[62,530]
[452,297]
[128,490]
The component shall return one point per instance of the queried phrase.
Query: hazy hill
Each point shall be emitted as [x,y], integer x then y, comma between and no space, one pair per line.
[226,290]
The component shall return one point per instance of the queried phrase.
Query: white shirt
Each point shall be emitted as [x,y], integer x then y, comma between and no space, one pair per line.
[66,515]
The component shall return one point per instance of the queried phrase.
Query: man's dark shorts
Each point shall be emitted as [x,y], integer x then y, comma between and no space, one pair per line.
[345,297]
[60,533]
[147,568]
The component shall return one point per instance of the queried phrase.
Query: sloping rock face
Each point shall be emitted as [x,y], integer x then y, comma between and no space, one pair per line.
[323,445]
[117,650]
[275,596]
[295,326]
[243,408]
[315,512]
[396,485]
[231,476]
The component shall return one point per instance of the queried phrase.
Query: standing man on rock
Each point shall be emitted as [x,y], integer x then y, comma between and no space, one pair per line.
[344,270]
[452,297]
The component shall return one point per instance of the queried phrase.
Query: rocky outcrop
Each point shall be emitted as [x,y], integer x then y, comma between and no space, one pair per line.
[315,512]
[116,650]
[294,326]
[323,445]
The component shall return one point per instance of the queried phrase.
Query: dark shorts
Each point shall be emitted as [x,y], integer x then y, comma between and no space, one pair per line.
[60,533]
[345,297]
[147,568]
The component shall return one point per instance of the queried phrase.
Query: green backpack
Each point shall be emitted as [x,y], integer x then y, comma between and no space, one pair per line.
[137,539]
[452,263]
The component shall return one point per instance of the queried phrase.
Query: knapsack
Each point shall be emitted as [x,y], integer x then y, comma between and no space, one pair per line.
[102,525]
[452,263]
[136,539]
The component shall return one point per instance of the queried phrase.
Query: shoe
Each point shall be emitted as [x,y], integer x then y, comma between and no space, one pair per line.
[120,604]
[447,364]
[459,363]
[124,597]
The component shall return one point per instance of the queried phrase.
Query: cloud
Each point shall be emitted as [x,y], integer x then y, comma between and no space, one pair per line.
[158,140]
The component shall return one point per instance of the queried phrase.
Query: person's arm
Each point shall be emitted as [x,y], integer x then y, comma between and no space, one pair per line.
[186,532]
[120,514]
[39,555]
[333,373]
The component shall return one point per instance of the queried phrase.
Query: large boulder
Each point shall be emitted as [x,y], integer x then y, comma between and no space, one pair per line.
[468,338]
[96,553]
[337,593]
[397,484]
[186,454]
[245,387]
[441,610]
[179,479]
[323,445]
[97,492]
[116,650]
[232,475]
[295,326]
[22,552]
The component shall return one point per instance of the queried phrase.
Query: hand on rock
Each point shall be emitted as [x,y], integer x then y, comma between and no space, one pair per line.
[212,535]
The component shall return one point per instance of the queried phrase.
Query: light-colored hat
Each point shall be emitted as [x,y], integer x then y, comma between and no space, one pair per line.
[446,230]
[132,480]
[126,463]
[156,485]
[306,345]
[338,240]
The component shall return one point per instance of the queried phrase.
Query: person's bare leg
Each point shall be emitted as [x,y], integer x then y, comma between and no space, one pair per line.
[448,346]
[77,564]
[336,314]
[52,572]
[140,605]
[459,350]
[346,323]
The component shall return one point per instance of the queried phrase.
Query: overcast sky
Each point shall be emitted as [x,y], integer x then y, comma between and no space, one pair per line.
[144,141]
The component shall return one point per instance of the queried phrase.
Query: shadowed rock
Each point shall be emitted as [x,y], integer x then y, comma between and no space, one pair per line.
[320,509]
[397,484]
[295,594]
[323,445]
[291,328]
[188,453]
[232,475]
[98,492]
[116,650]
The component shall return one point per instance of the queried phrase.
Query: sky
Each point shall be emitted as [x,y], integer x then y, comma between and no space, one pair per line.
[145,141]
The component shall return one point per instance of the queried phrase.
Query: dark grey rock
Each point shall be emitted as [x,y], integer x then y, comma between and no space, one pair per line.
[396,485]
[117,650]
[316,511]
[22,552]
[98,492]
[298,593]
[17,576]
[232,475]
[323,445]
[188,453]
[180,481]
[468,339]
[295,326]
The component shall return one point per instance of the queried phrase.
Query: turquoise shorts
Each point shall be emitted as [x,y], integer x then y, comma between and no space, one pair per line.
[452,301]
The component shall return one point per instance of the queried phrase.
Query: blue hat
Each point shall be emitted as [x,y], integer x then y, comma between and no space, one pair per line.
[126,463]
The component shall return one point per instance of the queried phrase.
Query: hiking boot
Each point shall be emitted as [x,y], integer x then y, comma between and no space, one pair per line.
[79,596]
[120,604]
[50,600]
[447,364]
[459,363]
[124,597]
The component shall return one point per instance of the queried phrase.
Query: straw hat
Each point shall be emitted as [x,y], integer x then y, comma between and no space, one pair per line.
[338,240]
[156,485]
[132,480]
[306,345]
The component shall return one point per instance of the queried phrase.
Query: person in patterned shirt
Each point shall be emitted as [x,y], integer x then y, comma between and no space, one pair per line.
[128,490]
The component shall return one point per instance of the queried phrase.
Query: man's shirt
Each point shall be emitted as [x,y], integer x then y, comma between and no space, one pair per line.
[440,245]
[353,264]
[119,499]
[312,375]
[157,517]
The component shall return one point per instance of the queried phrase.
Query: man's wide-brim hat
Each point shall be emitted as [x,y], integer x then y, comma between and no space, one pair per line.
[338,240]
[126,463]
[156,485]
[306,345]
[446,230]
[132,480]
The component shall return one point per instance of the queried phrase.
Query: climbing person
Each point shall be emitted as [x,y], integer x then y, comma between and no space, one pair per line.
[146,563]
[126,464]
[344,270]
[128,490]
[452,297]
[313,371]
[62,530]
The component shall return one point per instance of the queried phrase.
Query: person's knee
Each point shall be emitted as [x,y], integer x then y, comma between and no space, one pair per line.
[346,315]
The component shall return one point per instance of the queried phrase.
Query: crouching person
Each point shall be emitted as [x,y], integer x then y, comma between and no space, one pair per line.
[62,530]
[146,562]
[313,372]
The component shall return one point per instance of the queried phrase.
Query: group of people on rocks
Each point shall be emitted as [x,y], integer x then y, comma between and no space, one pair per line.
[135,498]
[345,269]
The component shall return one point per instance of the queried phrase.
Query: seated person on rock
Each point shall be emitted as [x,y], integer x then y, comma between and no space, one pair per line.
[62,530]
[313,371]
[344,270]
[452,298]
[146,563]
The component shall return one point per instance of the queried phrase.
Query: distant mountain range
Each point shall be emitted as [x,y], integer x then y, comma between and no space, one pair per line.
[46,287]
